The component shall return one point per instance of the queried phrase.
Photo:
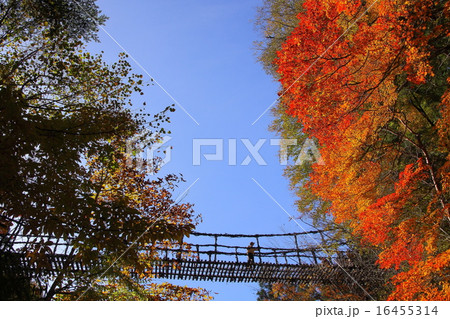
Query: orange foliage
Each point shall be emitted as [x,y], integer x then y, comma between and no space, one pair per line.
[340,71]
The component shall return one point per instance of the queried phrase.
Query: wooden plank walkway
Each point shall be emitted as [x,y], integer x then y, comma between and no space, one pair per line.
[221,271]
[258,272]
[53,266]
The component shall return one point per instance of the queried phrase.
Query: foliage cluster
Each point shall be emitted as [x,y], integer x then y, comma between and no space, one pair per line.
[369,82]
[64,125]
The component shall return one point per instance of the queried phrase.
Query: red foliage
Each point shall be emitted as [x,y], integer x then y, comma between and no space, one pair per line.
[339,71]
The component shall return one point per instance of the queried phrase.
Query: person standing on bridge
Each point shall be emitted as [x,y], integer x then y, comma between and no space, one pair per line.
[251,253]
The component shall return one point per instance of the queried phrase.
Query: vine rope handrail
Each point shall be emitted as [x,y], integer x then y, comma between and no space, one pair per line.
[259,235]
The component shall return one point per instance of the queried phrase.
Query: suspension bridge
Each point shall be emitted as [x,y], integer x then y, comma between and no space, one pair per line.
[282,258]
[216,260]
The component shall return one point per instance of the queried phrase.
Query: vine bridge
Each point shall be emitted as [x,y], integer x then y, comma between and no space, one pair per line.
[283,258]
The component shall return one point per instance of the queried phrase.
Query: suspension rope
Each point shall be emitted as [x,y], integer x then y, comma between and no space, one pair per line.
[258,235]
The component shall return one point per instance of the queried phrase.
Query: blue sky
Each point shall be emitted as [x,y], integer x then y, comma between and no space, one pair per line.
[201,53]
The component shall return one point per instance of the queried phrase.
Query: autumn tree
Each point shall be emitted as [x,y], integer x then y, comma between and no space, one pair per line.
[287,292]
[369,82]
[277,19]
[64,172]
[134,216]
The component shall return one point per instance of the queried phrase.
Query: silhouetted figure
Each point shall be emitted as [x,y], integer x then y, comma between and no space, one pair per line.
[251,253]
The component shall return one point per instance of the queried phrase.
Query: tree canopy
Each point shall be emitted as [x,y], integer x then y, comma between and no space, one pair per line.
[369,83]
[64,124]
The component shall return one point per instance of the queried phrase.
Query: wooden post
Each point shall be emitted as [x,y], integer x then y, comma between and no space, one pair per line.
[314,256]
[180,248]
[275,255]
[17,229]
[198,252]
[298,250]
[259,249]
[55,248]
[27,243]
[67,247]
[237,258]
[215,248]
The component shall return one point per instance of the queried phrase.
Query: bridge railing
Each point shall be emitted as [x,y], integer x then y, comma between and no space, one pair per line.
[291,249]
[203,246]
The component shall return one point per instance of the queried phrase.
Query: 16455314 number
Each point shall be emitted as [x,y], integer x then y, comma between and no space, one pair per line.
[407,310]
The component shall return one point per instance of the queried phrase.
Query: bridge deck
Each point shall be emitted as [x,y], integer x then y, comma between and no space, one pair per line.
[222,271]
[258,272]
